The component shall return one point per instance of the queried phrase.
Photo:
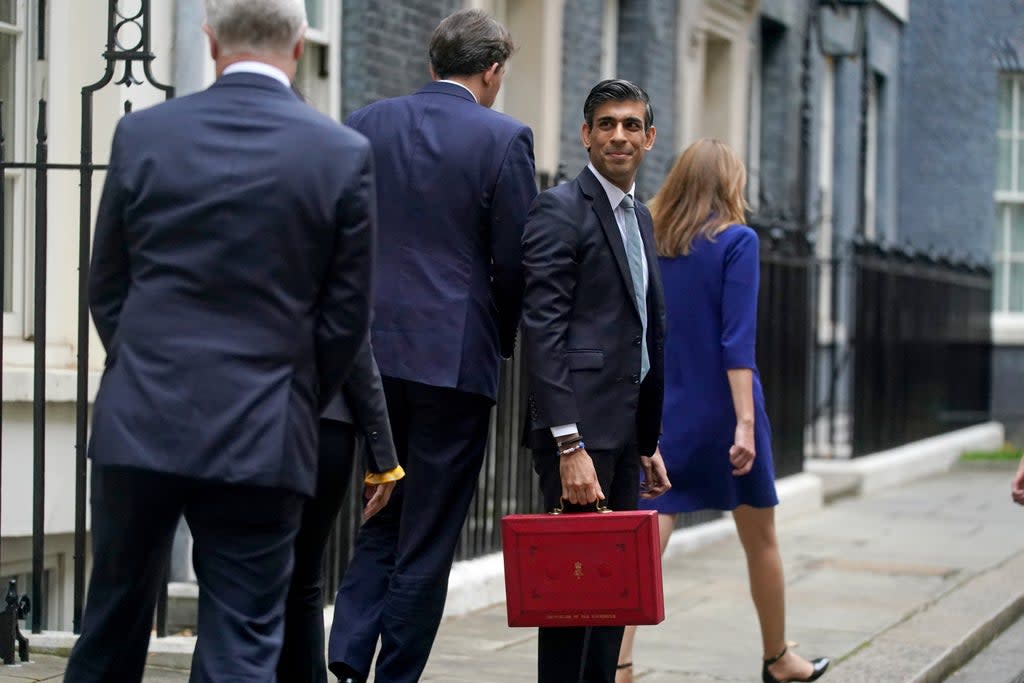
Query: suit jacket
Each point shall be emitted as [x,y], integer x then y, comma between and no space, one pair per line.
[581,328]
[361,403]
[454,183]
[230,283]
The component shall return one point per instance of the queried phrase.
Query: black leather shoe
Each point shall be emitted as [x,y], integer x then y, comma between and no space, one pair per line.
[345,673]
[820,666]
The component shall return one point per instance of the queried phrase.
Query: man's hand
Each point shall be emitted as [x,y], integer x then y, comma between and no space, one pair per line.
[579,478]
[742,453]
[655,476]
[1017,488]
[377,496]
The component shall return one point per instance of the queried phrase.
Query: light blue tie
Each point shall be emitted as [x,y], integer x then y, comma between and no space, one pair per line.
[634,255]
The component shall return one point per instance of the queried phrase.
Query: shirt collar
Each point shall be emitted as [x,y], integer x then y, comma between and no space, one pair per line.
[260,68]
[615,194]
[445,80]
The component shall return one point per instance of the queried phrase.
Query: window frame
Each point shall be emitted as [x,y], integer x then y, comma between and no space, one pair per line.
[870,188]
[1004,258]
[327,38]
[16,147]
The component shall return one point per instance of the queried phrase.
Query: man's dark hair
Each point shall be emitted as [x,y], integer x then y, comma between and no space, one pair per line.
[616,90]
[468,42]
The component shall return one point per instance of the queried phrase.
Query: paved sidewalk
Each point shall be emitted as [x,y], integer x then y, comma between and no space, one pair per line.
[854,571]
[901,586]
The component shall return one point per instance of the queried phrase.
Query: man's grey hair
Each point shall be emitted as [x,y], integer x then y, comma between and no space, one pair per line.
[258,26]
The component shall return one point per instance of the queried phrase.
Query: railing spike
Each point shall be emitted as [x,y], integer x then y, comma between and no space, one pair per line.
[41,133]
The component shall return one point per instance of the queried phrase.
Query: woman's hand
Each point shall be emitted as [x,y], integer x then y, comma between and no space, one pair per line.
[743,452]
[377,497]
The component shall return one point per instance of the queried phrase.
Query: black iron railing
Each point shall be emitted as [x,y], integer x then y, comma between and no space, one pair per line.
[921,346]
[121,23]
[784,333]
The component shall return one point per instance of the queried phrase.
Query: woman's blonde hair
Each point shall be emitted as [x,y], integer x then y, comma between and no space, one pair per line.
[702,195]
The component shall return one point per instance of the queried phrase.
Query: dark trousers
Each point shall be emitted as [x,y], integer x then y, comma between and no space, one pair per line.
[243,538]
[585,654]
[397,582]
[302,655]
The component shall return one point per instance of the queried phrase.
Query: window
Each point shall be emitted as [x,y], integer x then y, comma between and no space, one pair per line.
[871,159]
[769,102]
[1008,249]
[13,69]
[717,113]
[318,77]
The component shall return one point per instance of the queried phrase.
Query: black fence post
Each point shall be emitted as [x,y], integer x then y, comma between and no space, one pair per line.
[39,384]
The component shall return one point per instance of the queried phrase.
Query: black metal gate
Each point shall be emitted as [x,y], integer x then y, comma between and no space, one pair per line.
[128,43]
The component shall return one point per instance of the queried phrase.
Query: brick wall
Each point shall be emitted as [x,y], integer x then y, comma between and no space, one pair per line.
[947,149]
[581,70]
[647,56]
[384,47]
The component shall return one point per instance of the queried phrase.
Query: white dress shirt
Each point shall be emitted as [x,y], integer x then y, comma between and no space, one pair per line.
[261,68]
[615,195]
[461,85]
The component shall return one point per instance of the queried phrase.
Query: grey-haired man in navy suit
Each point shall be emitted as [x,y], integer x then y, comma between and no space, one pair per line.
[230,286]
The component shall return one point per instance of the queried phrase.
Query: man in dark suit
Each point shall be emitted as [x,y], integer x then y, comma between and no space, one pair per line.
[455,180]
[230,287]
[593,331]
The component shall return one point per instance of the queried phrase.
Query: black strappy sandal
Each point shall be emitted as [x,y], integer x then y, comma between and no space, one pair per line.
[820,666]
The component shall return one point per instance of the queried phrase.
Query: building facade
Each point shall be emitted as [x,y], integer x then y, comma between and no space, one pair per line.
[961,169]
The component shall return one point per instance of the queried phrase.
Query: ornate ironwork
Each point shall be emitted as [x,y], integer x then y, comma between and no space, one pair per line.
[121,20]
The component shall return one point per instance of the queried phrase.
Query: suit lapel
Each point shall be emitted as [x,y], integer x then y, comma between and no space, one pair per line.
[599,201]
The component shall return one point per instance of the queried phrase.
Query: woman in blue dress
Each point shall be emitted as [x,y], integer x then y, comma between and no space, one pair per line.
[716,439]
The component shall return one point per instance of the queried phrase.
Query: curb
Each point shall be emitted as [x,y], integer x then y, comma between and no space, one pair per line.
[906,463]
[972,643]
[172,652]
[976,602]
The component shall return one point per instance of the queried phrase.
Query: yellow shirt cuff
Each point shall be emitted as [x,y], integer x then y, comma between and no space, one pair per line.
[384,477]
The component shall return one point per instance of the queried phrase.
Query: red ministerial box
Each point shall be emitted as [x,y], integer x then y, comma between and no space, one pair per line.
[586,569]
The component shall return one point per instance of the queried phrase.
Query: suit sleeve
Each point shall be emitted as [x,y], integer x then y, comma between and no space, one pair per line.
[364,393]
[344,311]
[551,269]
[109,274]
[515,190]
[739,301]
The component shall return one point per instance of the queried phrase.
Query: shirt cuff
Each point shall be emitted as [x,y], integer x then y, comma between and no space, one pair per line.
[564,430]
[384,477]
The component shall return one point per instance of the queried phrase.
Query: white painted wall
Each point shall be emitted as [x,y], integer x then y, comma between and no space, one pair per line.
[75,44]
[714,68]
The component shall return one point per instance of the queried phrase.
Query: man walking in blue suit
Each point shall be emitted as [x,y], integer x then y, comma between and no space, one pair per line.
[230,286]
[455,180]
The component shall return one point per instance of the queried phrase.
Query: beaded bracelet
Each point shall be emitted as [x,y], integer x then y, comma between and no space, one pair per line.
[578,446]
